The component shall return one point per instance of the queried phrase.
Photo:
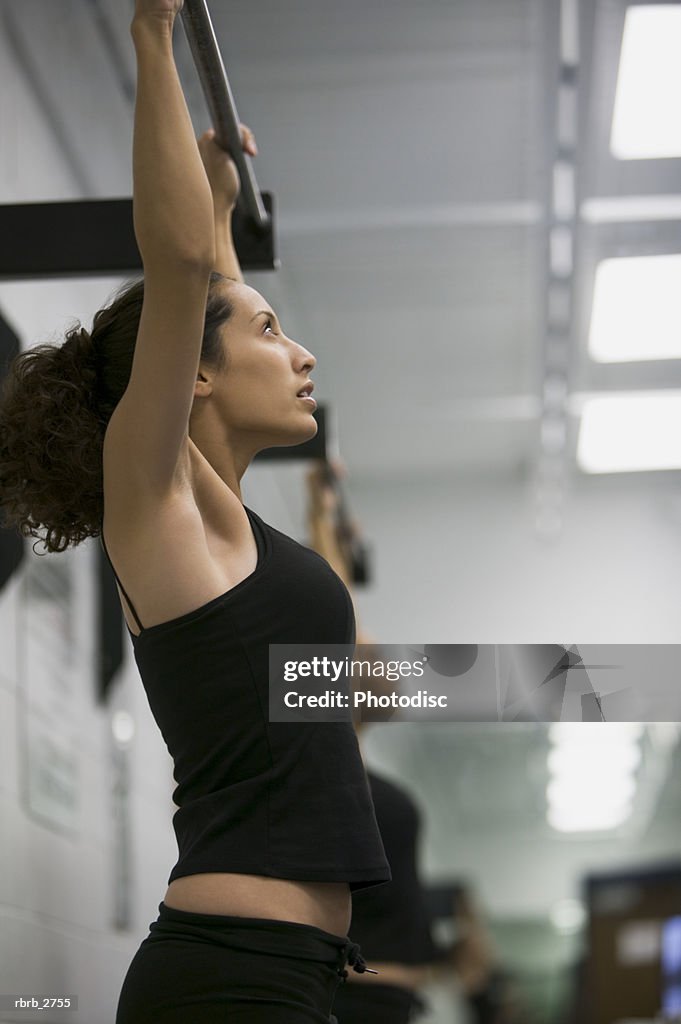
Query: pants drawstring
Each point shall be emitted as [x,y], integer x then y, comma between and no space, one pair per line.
[355,960]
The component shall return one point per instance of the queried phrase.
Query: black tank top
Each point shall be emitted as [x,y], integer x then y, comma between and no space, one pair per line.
[286,800]
[391,922]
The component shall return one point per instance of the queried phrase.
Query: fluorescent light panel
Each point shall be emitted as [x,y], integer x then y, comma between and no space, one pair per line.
[630,433]
[646,123]
[569,31]
[636,313]
[581,819]
[592,781]
[598,734]
[627,209]
[621,758]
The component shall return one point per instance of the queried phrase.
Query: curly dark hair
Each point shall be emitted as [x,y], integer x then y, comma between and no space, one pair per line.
[55,404]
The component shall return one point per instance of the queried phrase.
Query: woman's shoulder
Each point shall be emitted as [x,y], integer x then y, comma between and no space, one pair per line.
[175,551]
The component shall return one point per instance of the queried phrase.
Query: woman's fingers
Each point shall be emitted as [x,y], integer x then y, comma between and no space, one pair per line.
[220,168]
[248,140]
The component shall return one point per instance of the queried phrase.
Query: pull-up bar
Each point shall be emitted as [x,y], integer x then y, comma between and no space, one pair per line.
[215,84]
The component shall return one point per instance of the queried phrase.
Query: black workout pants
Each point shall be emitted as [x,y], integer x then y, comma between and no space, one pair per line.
[214,969]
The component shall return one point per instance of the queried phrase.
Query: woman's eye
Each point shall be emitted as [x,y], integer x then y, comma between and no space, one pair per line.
[269,325]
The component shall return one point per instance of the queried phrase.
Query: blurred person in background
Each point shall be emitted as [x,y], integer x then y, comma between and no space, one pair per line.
[488,988]
[391,923]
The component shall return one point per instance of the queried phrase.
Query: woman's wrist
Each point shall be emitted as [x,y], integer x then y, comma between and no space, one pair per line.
[157,25]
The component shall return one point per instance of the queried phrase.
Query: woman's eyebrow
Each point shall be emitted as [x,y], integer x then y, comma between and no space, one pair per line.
[264,312]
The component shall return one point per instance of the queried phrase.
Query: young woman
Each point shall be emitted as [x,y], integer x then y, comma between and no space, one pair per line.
[140,431]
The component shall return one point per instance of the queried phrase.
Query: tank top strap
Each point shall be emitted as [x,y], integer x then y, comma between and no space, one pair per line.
[123,590]
[258,528]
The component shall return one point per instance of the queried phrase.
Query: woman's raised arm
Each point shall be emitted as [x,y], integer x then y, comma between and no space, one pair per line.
[174,224]
[172,200]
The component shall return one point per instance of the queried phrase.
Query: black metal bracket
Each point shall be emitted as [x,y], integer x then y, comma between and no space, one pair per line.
[95,237]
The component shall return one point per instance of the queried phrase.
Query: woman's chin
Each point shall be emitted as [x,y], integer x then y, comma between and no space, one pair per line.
[304,435]
[304,428]
[298,432]
[311,427]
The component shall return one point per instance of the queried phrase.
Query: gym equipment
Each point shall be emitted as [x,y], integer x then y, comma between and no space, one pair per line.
[95,237]
[216,89]
[357,551]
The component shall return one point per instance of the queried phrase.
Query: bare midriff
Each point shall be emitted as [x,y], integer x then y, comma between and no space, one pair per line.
[325,905]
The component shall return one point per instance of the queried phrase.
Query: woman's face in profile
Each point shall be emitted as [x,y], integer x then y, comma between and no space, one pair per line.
[258,393]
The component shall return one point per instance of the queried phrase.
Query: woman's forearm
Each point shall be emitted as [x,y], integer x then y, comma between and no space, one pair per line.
[172,201]
[226,259]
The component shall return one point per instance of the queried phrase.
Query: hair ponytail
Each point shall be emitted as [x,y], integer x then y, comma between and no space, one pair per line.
[51,437]
[55,405]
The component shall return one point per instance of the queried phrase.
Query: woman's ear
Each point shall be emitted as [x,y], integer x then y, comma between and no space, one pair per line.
[204,385]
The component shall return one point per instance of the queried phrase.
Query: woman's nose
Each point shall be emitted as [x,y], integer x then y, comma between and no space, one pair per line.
[305,360]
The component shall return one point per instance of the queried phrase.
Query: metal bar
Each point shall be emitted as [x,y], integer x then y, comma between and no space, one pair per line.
[215,84]
[96,237]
